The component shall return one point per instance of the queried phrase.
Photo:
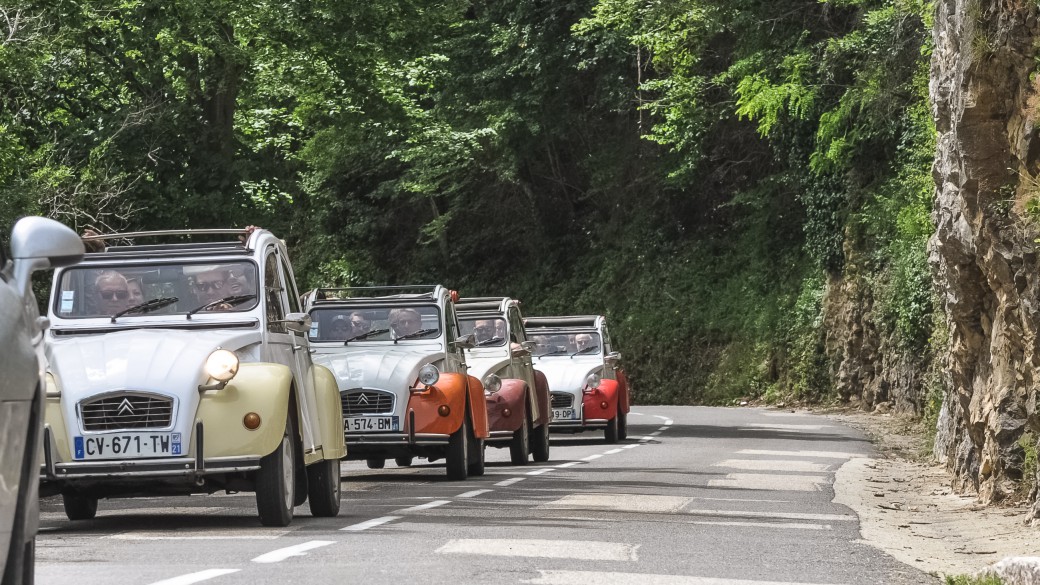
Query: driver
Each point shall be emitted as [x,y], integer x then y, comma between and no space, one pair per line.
[484,330]
[583,341]
[404,321]
[113,292]
[240,281]
[340,327]
[211,285]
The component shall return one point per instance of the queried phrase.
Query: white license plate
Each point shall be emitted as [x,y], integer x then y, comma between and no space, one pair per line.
[371,423]
[126,446]
[564,414]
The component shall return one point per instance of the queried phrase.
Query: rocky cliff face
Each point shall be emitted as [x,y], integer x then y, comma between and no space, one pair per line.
[983,255]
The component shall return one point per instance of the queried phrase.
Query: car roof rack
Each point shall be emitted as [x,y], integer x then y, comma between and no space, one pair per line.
[482,304]
[179,248]
[402,292]
[562,321]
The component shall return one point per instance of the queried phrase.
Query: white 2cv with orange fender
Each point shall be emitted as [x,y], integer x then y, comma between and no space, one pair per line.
[183,366]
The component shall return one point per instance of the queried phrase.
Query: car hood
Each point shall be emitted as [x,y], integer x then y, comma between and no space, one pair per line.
[376,368]
[150,360]
[568,374]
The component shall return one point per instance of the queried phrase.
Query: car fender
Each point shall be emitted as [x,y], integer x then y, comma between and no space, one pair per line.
[544,398]
[330,414]
[54,419]
[606,392]
[624,394]
[450,391]
[263,388]
[478,409]
[511,398]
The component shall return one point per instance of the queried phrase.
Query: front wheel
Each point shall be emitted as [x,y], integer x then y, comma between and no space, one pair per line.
[611,431]
[375,463]
[519,447]
[323,488]
[457,455]
[622,429]
[476,456]
[404,461]
[540,443]
[79,507]
[276,482]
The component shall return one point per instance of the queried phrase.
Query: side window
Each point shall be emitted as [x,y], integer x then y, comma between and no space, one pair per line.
[273,295]
[290,288]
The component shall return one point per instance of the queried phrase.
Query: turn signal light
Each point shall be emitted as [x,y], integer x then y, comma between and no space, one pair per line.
[444,410]
[506,412]
[603,405]
[251,421]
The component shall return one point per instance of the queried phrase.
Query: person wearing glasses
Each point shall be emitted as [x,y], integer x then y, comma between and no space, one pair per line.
[484,331]
[113,292]
[404,322]
[240,281]
[359,324]
[211,285]
[340,328]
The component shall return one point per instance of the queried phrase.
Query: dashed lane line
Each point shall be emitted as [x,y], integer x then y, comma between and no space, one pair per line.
[299,550]
[547,549]
[569,464]
[196,577]
[539,471]
[473,493]
[612,451]
[592,457]
[510,481]
[663,429]
[421,507]
[782,525]
[360,526]
[655,433]
[631,446]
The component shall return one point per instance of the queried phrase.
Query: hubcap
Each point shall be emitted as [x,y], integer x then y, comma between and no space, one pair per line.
[288,483]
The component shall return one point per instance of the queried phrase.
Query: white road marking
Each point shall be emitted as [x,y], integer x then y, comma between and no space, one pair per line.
[820,454]
[591,457]
[298,550]
[661,417]
[369,523]
[196,577]
[473,493]
[783,427]
[647,439]
[768,481]
[669,422]
[421,507]
[612,451]
[655,433]
[620,503]
[780,515]
[569,464]
[784,525]
[773,465]
[636,413]
[547,549]
[605,578]
[510,481]
[630,446]
[540,471]
[192,536]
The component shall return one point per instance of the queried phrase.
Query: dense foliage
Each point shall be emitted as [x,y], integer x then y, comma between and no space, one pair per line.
[699,170]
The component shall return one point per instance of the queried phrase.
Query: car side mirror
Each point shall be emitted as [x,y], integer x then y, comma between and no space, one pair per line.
[38,243]
[612,358]
[297,322]
[468,341]
[519,350]
[528,345]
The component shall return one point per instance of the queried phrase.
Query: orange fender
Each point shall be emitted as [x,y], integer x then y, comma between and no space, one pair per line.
[593,403]
[478,408]
[544,398]
[625,396]
[450,390]
[506,409]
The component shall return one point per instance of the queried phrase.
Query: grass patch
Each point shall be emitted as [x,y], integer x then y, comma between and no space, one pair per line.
[969,580]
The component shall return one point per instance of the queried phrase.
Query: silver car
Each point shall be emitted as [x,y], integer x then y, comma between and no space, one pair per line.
[36,244]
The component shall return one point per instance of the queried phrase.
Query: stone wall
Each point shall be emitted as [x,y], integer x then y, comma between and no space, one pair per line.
[983,254]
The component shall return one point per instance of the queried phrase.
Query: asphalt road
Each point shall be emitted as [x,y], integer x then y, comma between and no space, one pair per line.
[695,496]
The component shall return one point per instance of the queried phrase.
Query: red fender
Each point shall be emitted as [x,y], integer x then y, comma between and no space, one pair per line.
[625,398]
[593,402]
[478,408]
[511,399]
[544,399]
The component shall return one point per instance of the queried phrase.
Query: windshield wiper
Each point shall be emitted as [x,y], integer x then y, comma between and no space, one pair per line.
[418,333]
[231,301]
[586,350]
[366,335]
[489,341]
[147,306]
[553,352]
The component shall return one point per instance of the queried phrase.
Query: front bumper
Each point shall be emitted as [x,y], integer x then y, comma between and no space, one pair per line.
[188,468]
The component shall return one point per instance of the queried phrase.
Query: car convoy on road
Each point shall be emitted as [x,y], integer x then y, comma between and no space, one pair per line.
[186,361]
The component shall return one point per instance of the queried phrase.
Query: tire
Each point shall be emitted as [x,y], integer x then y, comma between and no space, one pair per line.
[457,455]
[375,463]
[20,567]
[476,456]
[323,488]
[520,446]
[276,481]
[540,443]
[404,461]
[622,428]
[78,506]
[611,432]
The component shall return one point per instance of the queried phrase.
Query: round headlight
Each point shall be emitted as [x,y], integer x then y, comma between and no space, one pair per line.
[592,381]
[492,383]
[222,365]
[429,374]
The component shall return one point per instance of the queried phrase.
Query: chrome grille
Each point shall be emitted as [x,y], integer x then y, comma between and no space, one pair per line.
[357,402]
[562,400]
[126,411]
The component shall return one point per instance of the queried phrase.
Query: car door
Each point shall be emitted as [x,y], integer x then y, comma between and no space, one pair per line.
[304,366]
[520,361]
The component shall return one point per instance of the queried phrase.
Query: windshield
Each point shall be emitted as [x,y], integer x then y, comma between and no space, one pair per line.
[487,331]
[370,323]
[132,290]
[580,343]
